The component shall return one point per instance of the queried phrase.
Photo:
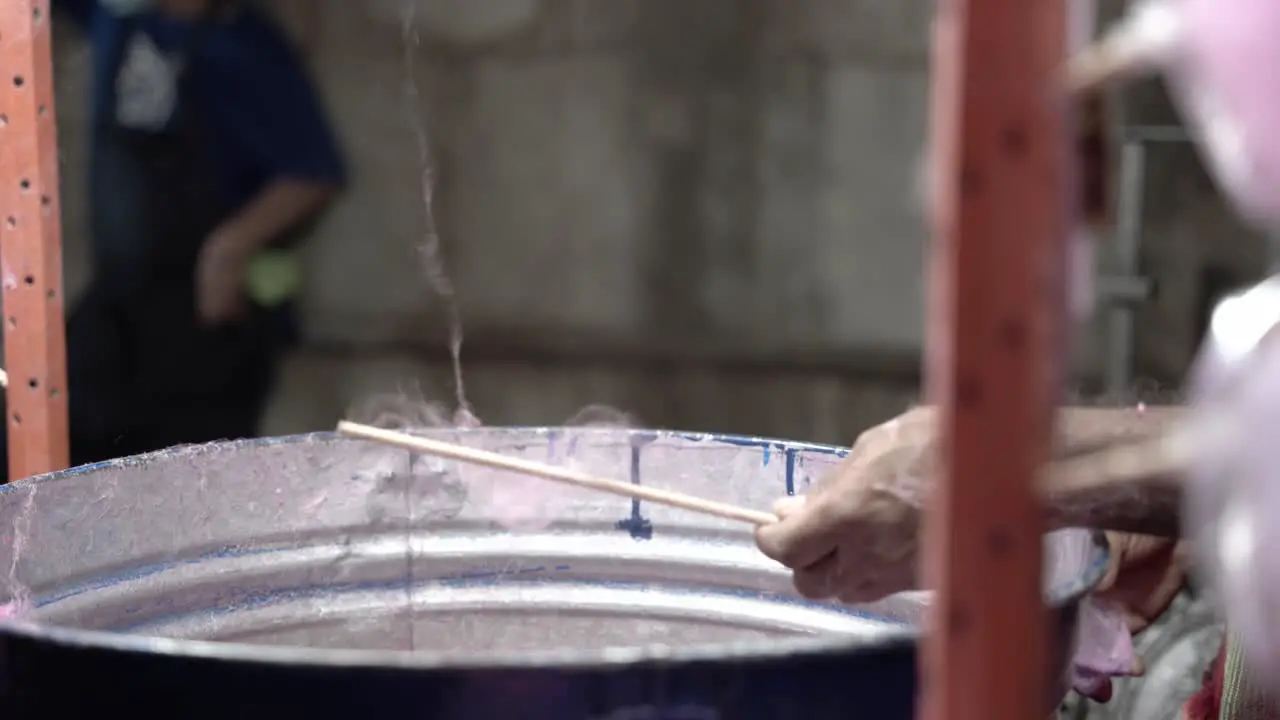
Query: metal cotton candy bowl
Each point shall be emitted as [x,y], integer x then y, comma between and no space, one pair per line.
[317,576]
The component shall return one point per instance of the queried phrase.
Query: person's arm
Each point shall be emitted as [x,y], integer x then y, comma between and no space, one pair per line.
[278,118]
[283,204]
[1147,505]
[855,534]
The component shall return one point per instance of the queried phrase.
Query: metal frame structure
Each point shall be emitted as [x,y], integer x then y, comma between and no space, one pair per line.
[31,242]
[996,328]
[996,347]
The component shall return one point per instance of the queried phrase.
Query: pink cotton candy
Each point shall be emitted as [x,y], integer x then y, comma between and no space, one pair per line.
[1226,82]
[1234,494]
[1221,64]
[512,500]
[516,501]
[13,610]
[524,502]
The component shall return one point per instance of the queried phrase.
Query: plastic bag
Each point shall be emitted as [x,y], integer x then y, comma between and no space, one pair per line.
[1104,649]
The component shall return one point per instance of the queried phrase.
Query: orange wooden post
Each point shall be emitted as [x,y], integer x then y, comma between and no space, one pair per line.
[998,311]
[31,243]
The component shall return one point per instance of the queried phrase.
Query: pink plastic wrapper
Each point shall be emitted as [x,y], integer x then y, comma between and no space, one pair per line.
[1103,645]
[1104,651]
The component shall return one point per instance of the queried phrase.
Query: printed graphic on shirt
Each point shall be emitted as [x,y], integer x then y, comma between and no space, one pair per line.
[146,87]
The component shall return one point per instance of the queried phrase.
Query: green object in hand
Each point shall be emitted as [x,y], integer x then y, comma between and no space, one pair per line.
[275,277]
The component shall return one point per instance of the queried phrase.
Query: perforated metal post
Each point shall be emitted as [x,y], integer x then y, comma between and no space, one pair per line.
[998,311]
[31,243]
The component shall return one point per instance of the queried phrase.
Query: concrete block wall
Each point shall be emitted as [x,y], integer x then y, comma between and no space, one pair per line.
[702,181]
[667,170]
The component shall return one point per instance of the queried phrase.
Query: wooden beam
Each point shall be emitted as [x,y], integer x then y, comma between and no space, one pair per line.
[31,243]
[998,311]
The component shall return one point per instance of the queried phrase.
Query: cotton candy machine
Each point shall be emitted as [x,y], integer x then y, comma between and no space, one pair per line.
[315,576]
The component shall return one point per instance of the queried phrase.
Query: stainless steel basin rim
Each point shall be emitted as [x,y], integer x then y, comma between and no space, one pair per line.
[318,506]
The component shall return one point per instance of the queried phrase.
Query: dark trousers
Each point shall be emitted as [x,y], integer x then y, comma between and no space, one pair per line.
[143,375]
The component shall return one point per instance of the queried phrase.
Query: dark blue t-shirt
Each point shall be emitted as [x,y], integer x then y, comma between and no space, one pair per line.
[260,111]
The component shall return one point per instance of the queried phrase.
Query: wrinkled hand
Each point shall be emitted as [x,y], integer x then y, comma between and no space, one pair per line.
[1145,575]
[853,537]
[220,278]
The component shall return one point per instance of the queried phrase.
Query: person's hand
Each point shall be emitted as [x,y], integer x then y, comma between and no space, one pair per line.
[1144,576]
[853,537]
[220,278]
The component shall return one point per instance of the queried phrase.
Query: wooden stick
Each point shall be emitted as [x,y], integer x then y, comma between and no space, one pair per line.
[474,456]
[1156,459]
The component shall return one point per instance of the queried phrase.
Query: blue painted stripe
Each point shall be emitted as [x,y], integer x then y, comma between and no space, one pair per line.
[637,525]
[791,471]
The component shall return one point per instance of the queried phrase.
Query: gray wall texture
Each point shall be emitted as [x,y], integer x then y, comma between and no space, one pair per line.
[699,211]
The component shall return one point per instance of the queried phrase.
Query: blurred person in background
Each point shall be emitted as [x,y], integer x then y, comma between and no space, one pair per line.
[211,154]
